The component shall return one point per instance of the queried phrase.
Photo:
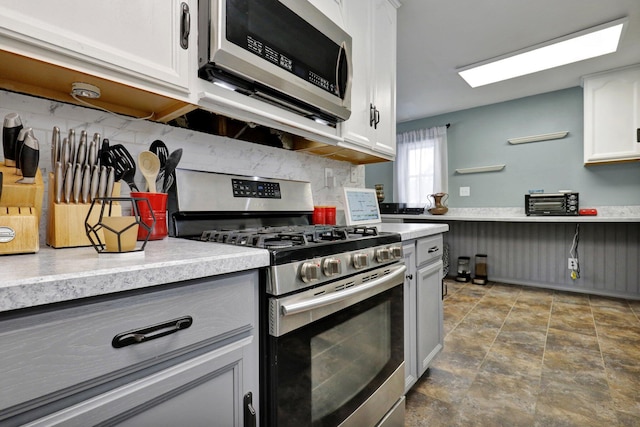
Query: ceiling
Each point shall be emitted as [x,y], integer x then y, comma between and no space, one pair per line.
[436,37]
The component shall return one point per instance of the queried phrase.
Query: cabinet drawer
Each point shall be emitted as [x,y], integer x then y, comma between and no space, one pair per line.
[53,354]
[428,249]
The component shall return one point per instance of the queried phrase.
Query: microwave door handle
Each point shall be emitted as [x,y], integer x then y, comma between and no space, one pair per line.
[343,67]
[385,282]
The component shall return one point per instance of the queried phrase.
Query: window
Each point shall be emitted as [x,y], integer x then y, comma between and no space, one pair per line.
[421,165]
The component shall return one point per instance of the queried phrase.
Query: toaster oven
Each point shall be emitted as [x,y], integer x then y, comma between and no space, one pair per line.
[551,204]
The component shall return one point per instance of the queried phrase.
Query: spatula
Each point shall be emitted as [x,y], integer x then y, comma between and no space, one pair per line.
[125,167]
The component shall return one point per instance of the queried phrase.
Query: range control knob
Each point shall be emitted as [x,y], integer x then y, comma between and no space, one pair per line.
[360,261]
[310,272]
[396,252]
[383,255]
[331,267]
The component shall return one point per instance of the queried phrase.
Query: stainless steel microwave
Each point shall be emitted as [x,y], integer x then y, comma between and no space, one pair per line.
[284,52]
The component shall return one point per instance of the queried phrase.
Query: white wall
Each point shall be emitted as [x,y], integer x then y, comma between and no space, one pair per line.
[201,151]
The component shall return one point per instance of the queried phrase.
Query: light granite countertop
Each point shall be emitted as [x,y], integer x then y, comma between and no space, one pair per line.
[413,231]
[55,275]
[605,214]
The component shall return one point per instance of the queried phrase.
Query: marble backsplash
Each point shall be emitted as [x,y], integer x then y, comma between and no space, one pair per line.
[201,151]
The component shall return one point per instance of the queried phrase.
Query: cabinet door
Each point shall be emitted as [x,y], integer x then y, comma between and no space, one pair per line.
[204,390]
[333,9]
[612,116]
[430,331]
[357,129]
[138,39]
[384,77]
[410,362]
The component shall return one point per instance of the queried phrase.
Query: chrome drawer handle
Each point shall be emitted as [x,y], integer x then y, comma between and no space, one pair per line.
[433,249]
[152,332]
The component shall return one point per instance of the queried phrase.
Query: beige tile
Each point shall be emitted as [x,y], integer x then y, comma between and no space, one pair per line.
[444,385]
[572,317]
[614,316]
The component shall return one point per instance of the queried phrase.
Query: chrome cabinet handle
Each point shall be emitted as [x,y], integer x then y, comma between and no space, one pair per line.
[409,276]
[433,249]
[185,26]
[152,332]
[249,411]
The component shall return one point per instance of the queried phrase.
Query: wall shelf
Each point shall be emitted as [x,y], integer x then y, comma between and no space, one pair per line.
[481,169]
[537,138]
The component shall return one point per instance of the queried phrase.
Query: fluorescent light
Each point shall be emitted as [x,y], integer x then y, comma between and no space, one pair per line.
[586,44]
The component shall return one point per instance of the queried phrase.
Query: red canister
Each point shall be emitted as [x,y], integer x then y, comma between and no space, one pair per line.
[330,215]
[319,215]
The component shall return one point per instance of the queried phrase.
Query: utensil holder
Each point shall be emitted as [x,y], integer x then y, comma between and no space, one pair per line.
[20,210]
[153,214]
[66,221]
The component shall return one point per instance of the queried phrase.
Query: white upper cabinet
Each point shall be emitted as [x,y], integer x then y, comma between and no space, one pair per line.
[372,24]
[133,42]
[612,116]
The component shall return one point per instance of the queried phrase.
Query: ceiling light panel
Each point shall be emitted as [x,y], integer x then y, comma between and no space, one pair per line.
[586,44]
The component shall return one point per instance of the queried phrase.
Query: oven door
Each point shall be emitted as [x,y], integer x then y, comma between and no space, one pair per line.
[343,362]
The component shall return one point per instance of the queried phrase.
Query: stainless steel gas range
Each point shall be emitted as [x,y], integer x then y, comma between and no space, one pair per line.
[331,305]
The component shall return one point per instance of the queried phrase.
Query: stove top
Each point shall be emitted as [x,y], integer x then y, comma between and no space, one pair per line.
[295,243]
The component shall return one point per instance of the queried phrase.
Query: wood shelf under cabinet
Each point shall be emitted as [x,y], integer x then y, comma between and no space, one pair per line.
[37,78]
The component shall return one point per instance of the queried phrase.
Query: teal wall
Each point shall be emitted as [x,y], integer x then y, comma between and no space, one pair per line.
[478,137]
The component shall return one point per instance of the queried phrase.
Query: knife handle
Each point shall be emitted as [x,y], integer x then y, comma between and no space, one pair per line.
[77,182]
[95,179]
[10,131]
[19,144]
[111,176]
[29,158]
[102,184]
[86,183]
[58,181]
[68,182]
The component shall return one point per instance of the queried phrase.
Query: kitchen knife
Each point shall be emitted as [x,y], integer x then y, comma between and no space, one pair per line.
[65,153]
[92,153]
[86,183]
[95,179]
[10,131]
[19,144]
[105,155]
[81,157]
[29,158]
[102,184]
[111,177]
[77,182]
[72,146]
[0,185]
[55,147]
[58,177]
[68,182]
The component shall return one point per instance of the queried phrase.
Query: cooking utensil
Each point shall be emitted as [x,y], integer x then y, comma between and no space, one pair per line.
[29,158]
[81,157]
[159,148]
[10,130]
[86,183]
[77,182]
[125,167]
[102,184]
[19,144]
[58,178]
[65,152]
[105,154]
[169,169]
[95,181]
[68,182]
[149,165]
[110,181]
[72,146]
[92,153]
[55,147]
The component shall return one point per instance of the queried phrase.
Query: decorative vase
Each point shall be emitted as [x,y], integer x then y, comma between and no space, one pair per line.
[439,207]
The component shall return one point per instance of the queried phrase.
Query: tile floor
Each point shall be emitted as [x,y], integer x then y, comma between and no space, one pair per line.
[523,356]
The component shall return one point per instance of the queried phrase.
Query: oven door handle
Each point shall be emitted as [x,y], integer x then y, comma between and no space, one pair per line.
[384,282]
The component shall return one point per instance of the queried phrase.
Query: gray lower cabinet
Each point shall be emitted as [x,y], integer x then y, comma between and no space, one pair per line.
[180,354]
[424,329]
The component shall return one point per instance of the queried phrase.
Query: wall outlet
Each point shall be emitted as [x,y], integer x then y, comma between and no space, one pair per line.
[354,173]
[573,264]
[465,191]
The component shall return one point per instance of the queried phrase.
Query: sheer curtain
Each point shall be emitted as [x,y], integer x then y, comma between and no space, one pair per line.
[421,165]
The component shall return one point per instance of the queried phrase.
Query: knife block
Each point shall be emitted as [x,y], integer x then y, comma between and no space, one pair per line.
[65,221]
[20,210]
